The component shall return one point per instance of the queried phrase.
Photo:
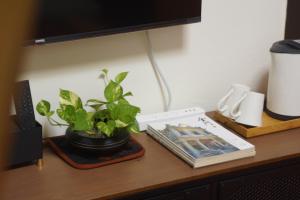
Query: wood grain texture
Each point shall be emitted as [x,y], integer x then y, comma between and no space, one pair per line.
[158,168]
[269,125]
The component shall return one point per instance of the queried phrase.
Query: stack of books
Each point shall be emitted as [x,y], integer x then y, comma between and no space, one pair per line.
[200,141]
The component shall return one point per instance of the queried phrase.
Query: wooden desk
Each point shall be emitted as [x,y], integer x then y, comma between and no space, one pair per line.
[158,168]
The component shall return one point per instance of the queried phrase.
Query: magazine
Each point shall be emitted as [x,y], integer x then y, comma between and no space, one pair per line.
[200,144]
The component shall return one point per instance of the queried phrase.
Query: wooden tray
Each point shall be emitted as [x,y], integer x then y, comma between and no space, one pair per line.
[270,125]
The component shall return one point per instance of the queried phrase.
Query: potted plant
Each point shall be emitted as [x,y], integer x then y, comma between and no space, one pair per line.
[106,128]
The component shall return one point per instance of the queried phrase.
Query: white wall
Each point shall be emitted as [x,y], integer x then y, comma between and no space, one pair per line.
[200,61]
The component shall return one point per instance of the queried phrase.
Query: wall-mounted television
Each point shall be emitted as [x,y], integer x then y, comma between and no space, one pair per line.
[60,20]
[292,29]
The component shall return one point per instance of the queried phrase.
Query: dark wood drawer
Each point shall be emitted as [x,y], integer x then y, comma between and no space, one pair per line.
[278,184]
[171,196]
[194,193]
[198,193]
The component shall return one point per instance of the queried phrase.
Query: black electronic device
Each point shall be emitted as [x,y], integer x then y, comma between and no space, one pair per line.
[59,20]
[23,105]
[26,145]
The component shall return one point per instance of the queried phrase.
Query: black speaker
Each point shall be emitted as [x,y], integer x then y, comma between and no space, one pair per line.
[27,144]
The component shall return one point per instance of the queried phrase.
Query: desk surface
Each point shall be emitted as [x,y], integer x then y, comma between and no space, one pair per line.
[158,168]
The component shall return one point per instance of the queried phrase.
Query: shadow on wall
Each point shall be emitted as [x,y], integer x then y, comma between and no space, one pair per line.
[262,81]
[78,53]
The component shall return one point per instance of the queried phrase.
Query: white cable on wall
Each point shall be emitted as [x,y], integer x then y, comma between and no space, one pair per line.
[167,98]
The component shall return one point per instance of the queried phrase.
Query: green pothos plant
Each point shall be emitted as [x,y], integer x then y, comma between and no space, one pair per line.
[112,113]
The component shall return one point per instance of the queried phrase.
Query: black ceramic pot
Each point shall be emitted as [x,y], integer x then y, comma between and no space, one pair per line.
[97,143]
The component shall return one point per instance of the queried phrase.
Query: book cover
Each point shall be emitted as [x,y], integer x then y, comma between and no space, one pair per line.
[202,143]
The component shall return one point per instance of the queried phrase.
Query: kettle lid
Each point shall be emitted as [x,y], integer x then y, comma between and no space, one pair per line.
[286,46]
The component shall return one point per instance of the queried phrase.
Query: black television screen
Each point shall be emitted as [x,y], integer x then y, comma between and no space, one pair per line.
[60,20]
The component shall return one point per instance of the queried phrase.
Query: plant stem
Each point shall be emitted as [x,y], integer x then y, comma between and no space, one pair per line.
[55,123]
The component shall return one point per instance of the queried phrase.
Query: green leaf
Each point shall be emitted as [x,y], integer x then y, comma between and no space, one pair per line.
[83,121]
[134,128]
[90,117]
[95,104]
[111,106]
[113,91]
[102,115]
[124,112]
[120,77]
[127,94]
[70,98]
[107,128]
[49,114]
[120,124]
[43,107]
[105,71]
[123,101]
[67,113]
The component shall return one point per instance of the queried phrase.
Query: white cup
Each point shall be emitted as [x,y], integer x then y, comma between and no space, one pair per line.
[249,109]
[234,95]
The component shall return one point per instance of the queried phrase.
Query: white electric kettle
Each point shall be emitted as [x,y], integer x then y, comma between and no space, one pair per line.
[283,97]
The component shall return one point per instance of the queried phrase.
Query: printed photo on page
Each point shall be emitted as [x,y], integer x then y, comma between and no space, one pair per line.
[197,142]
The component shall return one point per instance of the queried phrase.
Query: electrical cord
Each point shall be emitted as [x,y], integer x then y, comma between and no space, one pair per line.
[167,97]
